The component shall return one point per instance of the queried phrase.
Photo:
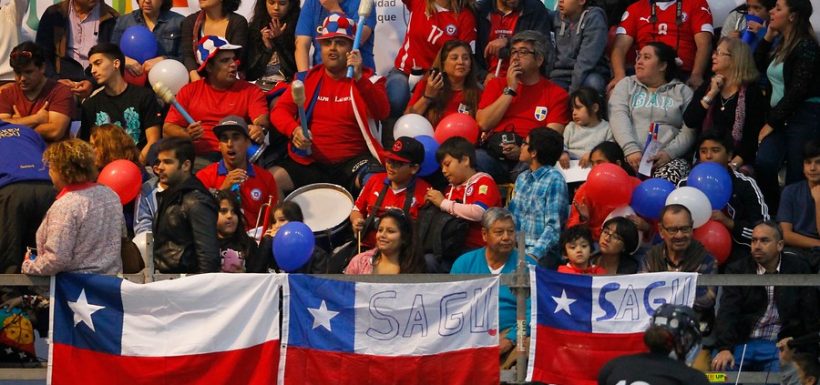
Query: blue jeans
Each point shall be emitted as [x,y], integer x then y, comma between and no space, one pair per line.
[398,92]
[761,356]
[502,171]
[786,144]
[593,80]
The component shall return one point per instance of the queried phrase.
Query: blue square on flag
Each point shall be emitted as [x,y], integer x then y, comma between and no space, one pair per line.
[88,312]
[564,300]
[322,315]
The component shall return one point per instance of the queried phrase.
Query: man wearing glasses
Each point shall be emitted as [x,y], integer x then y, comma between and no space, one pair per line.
[525,99]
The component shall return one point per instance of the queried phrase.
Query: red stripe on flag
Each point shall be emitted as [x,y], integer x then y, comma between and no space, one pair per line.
[477,366]
[565,357]
[255,365]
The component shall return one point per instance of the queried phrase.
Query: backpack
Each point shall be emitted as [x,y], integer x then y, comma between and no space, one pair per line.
[441,237]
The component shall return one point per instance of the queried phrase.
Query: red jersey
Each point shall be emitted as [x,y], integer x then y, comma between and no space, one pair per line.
[478,190]
[501,25]
[333,126]
[253,192]
[57,95]
[208,105]
[591,270]
[695,18]
[427,34]
[454,105]
[535,106]
[395,199]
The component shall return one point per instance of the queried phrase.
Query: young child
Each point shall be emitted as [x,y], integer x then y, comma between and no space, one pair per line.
[587,128]
[237,250]
[282,214]
[470,192]
[576,245]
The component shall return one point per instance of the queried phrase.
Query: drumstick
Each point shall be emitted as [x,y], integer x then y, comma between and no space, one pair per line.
[297,89]
[365,7]
[168,97]
[498,67]
[359,242]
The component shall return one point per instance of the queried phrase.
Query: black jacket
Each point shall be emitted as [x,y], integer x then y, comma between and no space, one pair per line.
[258,55]
[742,306]
[185,230]
[535,16]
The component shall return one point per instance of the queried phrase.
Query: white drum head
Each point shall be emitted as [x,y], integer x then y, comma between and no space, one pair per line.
[323,205]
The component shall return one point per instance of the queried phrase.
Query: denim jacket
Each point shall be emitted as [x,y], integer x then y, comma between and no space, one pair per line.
[167,31]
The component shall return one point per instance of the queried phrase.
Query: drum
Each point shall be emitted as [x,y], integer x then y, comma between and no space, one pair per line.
[326,209]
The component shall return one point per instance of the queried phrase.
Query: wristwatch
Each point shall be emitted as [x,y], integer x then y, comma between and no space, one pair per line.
[510,91]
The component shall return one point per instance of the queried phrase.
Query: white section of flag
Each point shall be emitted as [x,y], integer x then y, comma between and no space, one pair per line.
[200,314]
[426,318]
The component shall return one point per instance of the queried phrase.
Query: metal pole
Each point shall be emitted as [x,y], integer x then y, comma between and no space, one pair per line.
[148,273]
[520,287]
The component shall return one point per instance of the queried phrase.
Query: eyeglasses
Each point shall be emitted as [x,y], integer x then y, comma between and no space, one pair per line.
[718,53]
[521,52]
[611,235]
[675,230]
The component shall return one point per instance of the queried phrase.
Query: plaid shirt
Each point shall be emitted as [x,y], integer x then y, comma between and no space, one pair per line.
[540,207]
[768,326]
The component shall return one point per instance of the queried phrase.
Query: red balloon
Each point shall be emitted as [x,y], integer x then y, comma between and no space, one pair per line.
[716,239]
[136,80]
[452,125]
[122,176]
[608,185]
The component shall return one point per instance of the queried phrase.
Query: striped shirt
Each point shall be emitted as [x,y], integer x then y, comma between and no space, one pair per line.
[768,326]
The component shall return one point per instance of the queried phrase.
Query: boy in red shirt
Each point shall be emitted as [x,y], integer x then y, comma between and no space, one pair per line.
[576,246]
[470,192]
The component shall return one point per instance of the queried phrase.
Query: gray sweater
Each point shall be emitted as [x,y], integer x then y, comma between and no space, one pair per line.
[632,108]
[579,47]
[579,140]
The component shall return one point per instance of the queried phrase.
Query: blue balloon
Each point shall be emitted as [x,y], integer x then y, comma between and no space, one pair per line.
[649,198]
[293,246]
[139,43]
[430,164]
[714,180]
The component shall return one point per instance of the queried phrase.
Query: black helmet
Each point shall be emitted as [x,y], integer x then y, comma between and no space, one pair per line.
[681,323]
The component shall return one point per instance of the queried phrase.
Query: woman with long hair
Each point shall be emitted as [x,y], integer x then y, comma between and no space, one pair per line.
[272,42]
[795,95]
[215,18]
[450,87]
[395,249]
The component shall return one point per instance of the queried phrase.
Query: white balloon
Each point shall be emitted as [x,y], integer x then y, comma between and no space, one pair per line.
[623,211]
[693,199]
[412,125]
[170,73]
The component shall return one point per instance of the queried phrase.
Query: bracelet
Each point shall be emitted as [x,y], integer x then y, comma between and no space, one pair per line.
[427,97]
[706,99]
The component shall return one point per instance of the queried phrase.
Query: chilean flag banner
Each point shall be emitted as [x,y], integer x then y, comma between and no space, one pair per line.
[357,333]
[580,322]
[203,329]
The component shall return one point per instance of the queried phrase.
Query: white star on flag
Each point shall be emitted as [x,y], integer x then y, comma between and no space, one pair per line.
[563,302]
[83,310]
[322,316]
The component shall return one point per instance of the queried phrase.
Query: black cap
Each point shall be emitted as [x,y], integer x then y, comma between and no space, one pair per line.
[406,149]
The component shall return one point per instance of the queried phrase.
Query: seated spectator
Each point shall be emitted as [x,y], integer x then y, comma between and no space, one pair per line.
[470,193]
[214,18]
[499,256]
[214,97]
[111,143]
[133,108]
[736,24]
[587,129]
[26,193]
[399,188]
[581,36]
[576,249]
[431,24]
[238,252]
[185,238]
[799,213]
[653,96]
[282,214]
[752,318]
[146,206]
[741,111]
[449,88]
[799,364]
[312,15]
[540,201]
[746,204]
[35,100]
[11,12]
[165,24]
[684,25]
[272,42]
[525,99]
[679,252]
[66,33]
[341,116]
[497,21]
[395,249]
[253,184]
[617,246]
[791,66]
[83,229]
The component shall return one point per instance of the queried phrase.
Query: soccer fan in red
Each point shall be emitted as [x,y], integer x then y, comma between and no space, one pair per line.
[431,25]
[254,184]
[470,193]
[214,97]
[402,162]
[340,141]
[690,34]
